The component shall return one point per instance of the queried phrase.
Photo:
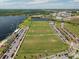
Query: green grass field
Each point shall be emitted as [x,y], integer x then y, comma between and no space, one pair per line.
[58,24]
[73,28]
[40,41]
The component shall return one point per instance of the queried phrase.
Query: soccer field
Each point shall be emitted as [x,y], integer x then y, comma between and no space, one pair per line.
[40,41]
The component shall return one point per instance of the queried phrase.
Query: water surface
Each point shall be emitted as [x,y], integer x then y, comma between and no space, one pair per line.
[39,19]
[8,24]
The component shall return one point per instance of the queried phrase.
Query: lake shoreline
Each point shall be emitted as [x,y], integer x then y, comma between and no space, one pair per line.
[8,24]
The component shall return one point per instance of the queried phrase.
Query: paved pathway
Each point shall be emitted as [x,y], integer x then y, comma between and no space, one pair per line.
[10,53]
[58,55]
[51,23]
[61,55]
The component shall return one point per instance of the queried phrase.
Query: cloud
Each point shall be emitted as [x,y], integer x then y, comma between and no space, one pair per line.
[41,1]
[24,1]
[74,1]
[4,1]
[36,4]
[38,1]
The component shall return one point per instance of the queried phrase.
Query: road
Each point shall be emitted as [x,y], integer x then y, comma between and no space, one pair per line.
[61,55]
[10,53]
[60,32]
[75,45]
[51,23]
[74,38]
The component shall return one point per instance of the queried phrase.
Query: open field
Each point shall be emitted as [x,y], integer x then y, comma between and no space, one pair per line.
[58,24]
[40,41]
[73,28]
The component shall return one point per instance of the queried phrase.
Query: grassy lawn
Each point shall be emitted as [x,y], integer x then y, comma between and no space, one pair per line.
[40,41]
[58,24]
[73,28]
[1,49]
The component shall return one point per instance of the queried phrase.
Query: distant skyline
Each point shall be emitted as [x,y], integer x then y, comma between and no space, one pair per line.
[39,4]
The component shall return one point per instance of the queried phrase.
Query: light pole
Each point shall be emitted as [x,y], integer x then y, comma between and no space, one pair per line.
[62,20]
[62,23]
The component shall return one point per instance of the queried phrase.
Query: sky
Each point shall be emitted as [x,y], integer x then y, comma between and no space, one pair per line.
[39,4]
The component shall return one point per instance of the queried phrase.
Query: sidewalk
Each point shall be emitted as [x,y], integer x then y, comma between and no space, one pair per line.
[15,45]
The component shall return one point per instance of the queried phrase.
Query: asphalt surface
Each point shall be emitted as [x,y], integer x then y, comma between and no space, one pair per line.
[71,35]
[58,31]
[15,44]
[12,50]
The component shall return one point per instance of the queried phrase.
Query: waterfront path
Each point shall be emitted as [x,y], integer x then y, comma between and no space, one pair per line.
[15,45]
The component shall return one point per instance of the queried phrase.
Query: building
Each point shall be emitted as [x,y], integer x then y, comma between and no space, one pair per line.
[65,15]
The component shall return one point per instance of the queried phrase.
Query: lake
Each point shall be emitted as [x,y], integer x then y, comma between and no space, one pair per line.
[8,24]
[39,19]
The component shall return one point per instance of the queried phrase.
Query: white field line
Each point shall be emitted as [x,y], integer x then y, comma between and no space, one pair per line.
[42,34]
[63,38]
